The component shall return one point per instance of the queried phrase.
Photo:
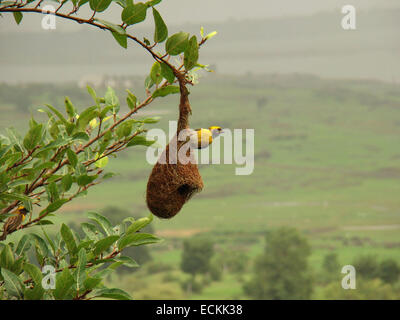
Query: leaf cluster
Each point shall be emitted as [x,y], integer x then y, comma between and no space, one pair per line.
[76,265]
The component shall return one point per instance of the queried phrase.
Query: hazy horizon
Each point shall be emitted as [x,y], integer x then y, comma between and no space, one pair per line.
[264,37]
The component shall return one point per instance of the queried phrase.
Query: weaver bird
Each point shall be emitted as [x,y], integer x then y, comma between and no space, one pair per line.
[202,138]
[14,221]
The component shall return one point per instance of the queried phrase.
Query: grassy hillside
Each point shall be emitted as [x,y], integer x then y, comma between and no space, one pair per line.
[327,161]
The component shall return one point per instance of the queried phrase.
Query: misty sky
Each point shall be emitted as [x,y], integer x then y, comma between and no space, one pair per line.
[259,36]
[203,11]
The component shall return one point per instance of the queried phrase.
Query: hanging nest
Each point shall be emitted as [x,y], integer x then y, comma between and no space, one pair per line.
[171,185]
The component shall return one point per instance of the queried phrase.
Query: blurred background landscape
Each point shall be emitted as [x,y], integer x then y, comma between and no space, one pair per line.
[325,106]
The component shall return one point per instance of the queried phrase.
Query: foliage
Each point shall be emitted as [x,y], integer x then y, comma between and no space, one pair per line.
[192,285]
[282,271]
[216,272]
[389,271]
[331,269]
[196,256]
[60,159]
[77,265]
[141,254]
[234,261]
[156,267]
[367,266]
[366,289]
[330,263]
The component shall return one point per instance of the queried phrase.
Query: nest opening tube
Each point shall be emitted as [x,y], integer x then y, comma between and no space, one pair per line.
[171,185]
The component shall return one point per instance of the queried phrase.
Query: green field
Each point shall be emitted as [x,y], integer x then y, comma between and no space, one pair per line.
[327,162]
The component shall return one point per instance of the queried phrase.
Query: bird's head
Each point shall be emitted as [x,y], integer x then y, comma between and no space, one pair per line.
[22,210]
[215,130]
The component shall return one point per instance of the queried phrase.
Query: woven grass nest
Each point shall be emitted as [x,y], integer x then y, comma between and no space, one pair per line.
[171,185]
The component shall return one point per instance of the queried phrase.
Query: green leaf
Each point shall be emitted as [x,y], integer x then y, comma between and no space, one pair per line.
[155,73]
[167,73]
[12,283]
[177,43]
[137,239]
[113,26]
[108,175]
[80,136]
[72,158]
[124,130]
[36,275]
[66,182]
[41,244]
[99,5]
[33,137]
[17,267]
[151,120]
[92,93]
[44,165]
[58,114]
[85,117]
[122,39]
[112,99]
[23,245]
[68,238]
[69,108]
[152,2]
[15,138]
[17,183]
[161,30]
[45,222]
[148,82]
[139,224]
[50,241]
[191,54]
[7,258]
[210,35]
[15,196]
[103,244]
[85,179]
[128,261]
[18,17]
[101,163]
[117,31]
[134,13]
[131,100]
[102,221]
[64,282]
[53,145]
[104,112]
[91,282]
[140,141]
[164,91]
[90,231]
[53,191]
[81,269]
[55,205]
[113,293]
